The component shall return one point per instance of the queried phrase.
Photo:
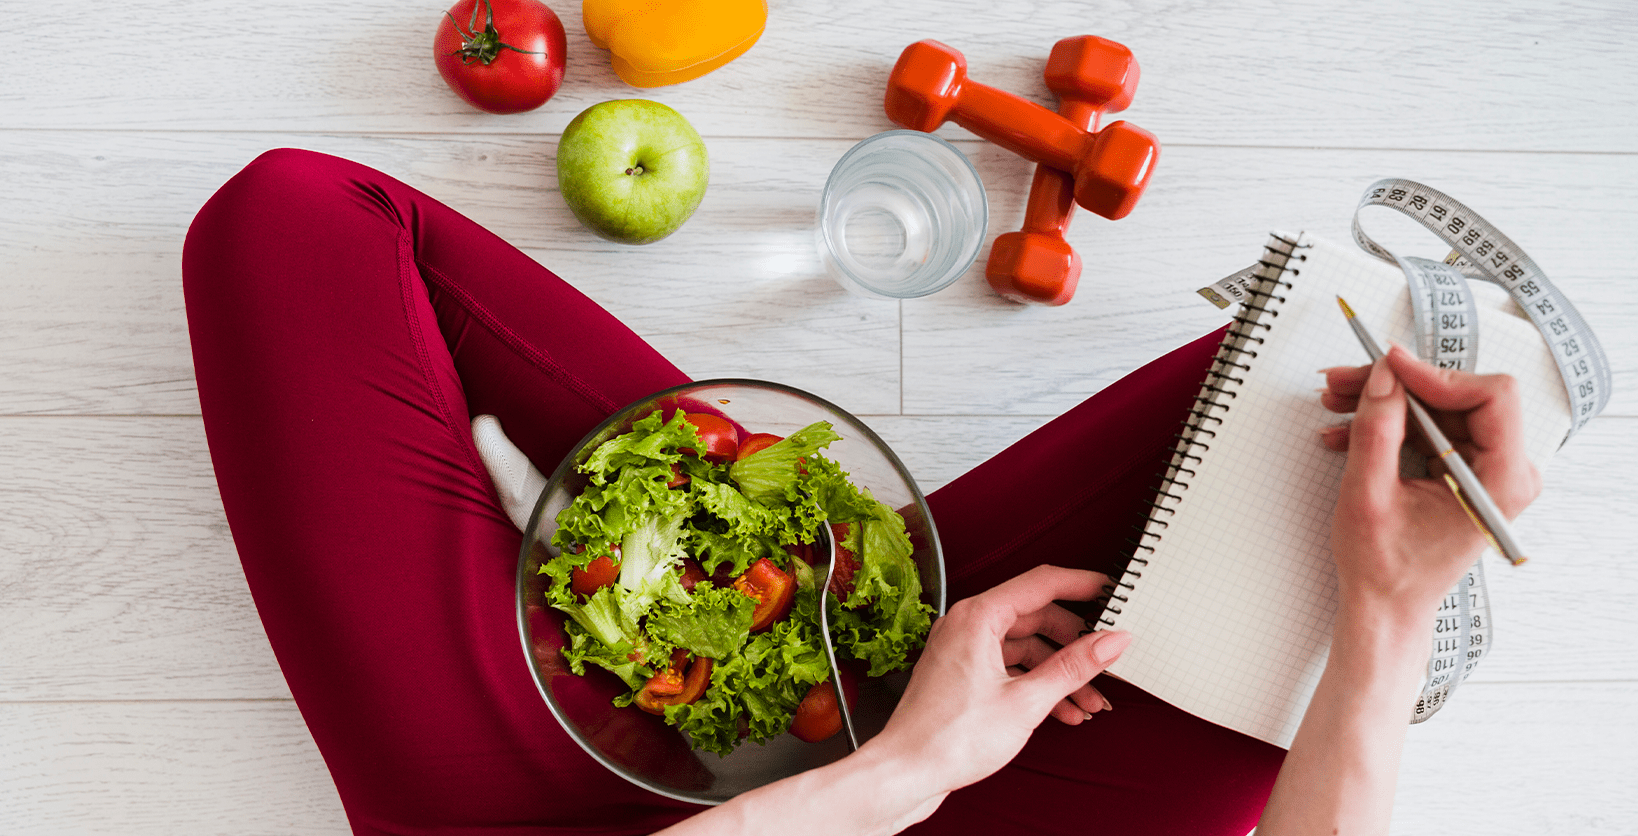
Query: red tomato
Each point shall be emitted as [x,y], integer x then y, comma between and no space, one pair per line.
[756,442]
[678,478]
[720,437]
[818,717]
[847,563]
[600,572]
[773,590]
[674,686]
[501,56]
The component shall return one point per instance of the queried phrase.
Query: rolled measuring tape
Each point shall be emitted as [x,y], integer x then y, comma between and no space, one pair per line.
[1447,335]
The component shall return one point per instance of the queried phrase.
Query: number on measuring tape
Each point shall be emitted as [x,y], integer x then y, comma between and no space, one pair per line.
[1461,636]
[1479,250]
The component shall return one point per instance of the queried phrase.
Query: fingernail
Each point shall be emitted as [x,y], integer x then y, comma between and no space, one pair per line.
[1382,382]
[1333,433]
[1107,705]
[1110,645]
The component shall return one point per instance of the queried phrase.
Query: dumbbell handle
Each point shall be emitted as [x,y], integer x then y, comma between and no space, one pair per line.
[1020,126]
[1052,192]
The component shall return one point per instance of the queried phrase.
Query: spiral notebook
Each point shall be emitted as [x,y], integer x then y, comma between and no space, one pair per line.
[1233,591]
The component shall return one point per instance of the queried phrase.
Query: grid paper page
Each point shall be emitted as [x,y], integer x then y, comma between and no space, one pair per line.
[1232,615]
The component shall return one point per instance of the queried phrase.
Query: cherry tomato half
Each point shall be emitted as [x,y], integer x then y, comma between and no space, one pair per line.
[501,56]
[600,572]
[720,437]
[679,684]
[818,717]
[756,442]
[678,478]
[773,590]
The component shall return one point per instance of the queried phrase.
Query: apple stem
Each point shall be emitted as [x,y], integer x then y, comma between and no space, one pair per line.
[635,170]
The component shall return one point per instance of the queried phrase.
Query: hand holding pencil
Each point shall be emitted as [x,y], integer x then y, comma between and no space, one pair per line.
[1410,539]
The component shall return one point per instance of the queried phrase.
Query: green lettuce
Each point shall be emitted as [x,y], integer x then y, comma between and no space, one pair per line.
[650,555]
[770,475]
[758,688]
[601,633]
[713,622]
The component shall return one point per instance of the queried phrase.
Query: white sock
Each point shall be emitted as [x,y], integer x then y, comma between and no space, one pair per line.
[516,479]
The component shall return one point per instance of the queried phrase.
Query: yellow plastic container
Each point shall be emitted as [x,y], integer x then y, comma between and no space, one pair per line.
[658,42]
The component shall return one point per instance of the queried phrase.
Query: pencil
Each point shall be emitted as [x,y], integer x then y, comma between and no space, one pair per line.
[1475,500]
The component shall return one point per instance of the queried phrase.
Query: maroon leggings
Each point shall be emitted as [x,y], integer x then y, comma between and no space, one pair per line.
[345,327]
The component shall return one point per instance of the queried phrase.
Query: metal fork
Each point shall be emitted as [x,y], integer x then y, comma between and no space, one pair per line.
[830,646]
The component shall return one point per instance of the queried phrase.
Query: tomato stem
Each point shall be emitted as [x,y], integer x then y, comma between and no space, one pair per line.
[482,46]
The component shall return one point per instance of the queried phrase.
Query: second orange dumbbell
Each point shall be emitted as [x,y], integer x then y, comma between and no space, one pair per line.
[1091,76]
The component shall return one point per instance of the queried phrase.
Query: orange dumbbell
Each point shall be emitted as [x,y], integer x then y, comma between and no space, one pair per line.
[1111,167]
[1091,76]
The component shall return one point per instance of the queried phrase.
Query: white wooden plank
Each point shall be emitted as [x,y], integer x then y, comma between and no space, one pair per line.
[1531,760]
[96,325]
[117,572]
[1207,214]
[1402,74]
[163,768]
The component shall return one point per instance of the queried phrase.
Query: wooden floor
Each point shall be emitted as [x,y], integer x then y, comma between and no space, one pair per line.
[137,692]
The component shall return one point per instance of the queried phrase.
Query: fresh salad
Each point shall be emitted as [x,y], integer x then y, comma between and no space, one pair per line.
[686,567]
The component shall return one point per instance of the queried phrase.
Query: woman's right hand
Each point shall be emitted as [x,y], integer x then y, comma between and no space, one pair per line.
[1402,543]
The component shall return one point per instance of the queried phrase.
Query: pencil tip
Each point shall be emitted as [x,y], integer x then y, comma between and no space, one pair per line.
[1346,311]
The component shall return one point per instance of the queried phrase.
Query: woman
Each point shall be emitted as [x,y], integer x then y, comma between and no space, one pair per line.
[345,327]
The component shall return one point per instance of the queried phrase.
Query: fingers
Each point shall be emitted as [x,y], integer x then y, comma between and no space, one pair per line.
[1335,438]
[1342,387]
[1495,414]
[1067,671]
[1079,706]
[1053,621]
[1028,653]
[1376,434]
[1019,601]
[1484,417]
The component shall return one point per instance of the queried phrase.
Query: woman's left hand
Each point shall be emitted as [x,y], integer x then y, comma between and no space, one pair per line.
[993,669]
[995,666]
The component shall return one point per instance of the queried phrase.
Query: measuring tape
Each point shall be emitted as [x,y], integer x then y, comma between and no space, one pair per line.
[1479,250]
[1447,335]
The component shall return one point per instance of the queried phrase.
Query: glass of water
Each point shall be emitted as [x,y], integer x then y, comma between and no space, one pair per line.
[903,215]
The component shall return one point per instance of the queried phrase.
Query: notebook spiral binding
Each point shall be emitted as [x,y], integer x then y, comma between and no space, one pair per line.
[1234,355]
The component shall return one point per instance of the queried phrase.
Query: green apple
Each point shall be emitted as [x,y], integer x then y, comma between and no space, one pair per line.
[632,170]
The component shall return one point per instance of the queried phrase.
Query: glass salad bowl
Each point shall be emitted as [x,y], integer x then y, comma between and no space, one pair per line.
[639,746]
